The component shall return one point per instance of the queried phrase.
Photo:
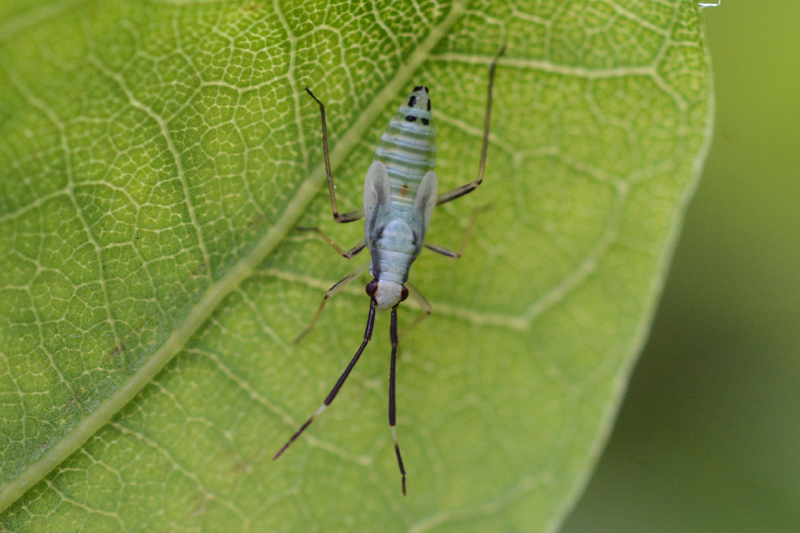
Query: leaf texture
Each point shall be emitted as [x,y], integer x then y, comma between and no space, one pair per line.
[155,159]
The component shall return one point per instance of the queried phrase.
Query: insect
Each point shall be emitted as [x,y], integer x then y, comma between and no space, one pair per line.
[400,194]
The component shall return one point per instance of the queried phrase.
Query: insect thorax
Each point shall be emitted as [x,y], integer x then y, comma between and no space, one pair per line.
[408,148]
[394,252]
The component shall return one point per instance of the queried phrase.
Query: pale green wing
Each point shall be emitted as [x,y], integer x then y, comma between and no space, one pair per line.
[377,201]
[424,203]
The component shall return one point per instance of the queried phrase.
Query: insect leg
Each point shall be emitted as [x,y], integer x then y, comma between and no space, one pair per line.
[350,216]
[342,378]
[464,240]
[447,252]
[424,305]
[392,403]
[355,250]
[458,192]
[332,291]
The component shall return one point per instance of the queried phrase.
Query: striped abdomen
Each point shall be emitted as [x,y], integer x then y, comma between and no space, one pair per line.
[408,148]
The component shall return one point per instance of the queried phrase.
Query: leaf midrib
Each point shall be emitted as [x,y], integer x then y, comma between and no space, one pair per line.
[239,272]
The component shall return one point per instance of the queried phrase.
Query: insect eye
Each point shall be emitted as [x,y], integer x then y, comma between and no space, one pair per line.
[372,288]
[403,294]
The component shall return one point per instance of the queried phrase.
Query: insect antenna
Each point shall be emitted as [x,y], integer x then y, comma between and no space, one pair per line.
[342,378]
[392,405]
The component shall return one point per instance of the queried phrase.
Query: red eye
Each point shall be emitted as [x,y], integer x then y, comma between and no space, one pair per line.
[372,288]
[403,294]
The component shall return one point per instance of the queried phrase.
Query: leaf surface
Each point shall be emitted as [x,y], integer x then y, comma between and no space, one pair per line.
[155,159]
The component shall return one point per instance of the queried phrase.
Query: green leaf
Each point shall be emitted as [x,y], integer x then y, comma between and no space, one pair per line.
[155,159]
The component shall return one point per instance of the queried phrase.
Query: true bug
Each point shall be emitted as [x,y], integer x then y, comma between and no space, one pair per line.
[400,193]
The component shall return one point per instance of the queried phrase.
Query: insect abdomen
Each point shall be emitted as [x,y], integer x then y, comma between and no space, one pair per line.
[408,148]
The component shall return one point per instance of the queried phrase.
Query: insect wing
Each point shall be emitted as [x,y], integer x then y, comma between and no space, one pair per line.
[377,201]
[424,203]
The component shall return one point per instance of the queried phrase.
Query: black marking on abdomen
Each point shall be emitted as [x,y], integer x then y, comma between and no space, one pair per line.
[412,118]
[412,101]
[426,121]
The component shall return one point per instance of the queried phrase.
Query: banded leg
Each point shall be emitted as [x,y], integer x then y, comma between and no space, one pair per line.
[342,378]
[464,240]
[350,216]
[392,403]
[458,192]
[424,305]
[354,251]
[330,293]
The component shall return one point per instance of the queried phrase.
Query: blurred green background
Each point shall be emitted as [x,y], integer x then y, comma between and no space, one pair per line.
[708,437]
